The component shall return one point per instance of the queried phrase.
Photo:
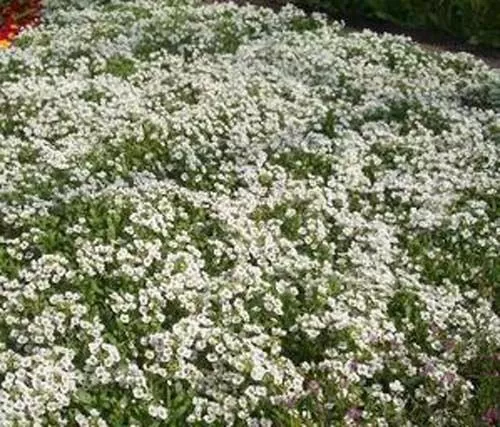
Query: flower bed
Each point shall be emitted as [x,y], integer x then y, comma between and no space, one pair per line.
[214,215]
[14,16]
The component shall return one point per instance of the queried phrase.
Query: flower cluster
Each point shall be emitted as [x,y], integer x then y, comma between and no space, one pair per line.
[213,215]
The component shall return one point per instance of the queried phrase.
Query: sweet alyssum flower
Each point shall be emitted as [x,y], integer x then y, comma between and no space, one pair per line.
[213,214]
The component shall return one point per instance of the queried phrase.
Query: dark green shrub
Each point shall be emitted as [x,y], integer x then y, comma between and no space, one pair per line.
[477,21]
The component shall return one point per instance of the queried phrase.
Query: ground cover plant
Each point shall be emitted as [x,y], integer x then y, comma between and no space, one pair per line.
[212,215]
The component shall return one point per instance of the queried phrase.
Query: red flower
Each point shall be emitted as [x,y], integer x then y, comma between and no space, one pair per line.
[15,16]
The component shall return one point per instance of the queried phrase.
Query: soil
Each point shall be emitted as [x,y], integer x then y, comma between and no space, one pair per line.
[429,39]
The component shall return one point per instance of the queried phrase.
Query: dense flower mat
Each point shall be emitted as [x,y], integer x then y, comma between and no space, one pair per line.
[227,216]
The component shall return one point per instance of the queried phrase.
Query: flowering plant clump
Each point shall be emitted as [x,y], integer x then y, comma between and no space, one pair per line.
[212,215]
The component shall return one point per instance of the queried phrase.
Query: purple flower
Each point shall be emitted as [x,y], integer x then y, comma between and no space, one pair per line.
[449,378]
[314,387]
[427,369]
[492,417]
[450,345]
[355,414]
[291,402]
[352,365]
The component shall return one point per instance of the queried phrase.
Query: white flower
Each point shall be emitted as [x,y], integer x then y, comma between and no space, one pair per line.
[257,373]
[214,206]
[396,387]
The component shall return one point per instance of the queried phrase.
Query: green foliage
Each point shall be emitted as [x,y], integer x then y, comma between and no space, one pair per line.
[485,95]
[120,66]
[477,21]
